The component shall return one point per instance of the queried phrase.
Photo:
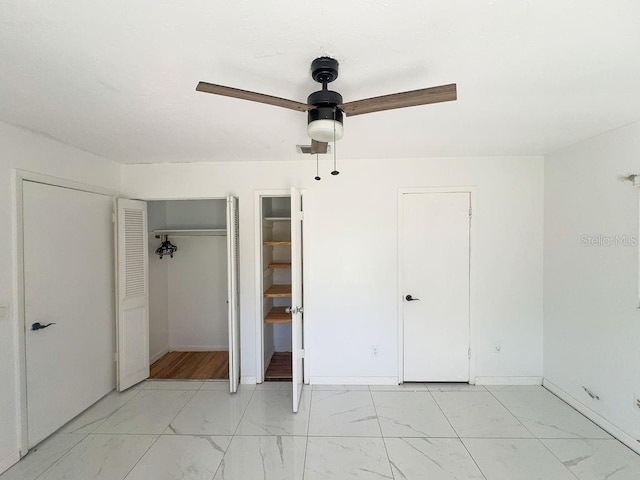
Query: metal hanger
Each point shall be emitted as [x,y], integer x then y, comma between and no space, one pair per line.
[166,247]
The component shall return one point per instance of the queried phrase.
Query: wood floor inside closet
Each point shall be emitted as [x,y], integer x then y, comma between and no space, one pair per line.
[192,366]
[280,368]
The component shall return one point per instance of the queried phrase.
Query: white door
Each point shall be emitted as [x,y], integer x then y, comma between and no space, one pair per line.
[296,296]
[435,280]
[132,326]
[234,294]
[68,283]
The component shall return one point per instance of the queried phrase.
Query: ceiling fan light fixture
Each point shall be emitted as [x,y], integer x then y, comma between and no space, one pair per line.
[325,121]
[323,130]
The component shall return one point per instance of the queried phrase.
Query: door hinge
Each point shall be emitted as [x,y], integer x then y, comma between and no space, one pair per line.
[113,217]
[115,357]
[302,353]
[469,353]
[470,211]
[301,215]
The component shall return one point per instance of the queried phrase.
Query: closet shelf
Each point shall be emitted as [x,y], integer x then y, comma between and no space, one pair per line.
[277,243]
[278,291]
[279,265]
[277,315]
[278,219]
[191,232]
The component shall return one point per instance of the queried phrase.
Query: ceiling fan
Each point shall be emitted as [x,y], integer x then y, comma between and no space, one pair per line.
[325,108]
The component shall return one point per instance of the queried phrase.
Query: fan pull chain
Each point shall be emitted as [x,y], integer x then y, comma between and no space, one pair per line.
[335,170]
[317,177]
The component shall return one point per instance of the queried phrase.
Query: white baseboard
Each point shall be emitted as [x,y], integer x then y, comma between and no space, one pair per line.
[508,381]
[199,348]
[159,355]
[9,461]
[353,380]
[596,418]
[248,380]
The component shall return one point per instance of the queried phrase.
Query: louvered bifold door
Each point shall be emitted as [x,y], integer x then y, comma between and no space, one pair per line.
[234,293]
[133,293]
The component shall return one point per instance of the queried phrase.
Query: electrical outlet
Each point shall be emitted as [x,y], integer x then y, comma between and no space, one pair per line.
[374,350]
[636,401]
[497,347]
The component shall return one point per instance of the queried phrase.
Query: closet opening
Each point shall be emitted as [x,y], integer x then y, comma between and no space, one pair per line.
[188,289]
[276,288]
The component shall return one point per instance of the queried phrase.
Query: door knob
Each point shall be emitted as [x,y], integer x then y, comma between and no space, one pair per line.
[409,298]
[39,326]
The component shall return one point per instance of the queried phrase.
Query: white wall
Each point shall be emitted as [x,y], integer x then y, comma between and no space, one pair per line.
[591,316]
[197,294]
[351,265]
[28,151]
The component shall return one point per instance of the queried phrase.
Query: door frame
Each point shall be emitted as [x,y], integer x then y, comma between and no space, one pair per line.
[225,197]
[18,179]
[258,194]
[471,190]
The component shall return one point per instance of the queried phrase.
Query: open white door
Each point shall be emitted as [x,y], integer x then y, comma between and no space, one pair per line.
[132,328]
[296,296]
[234,295]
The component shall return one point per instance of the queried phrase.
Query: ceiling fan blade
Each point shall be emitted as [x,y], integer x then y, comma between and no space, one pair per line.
[318,147]
[252,96]
[442,93]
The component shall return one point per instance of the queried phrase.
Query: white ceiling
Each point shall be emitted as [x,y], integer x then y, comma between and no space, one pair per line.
[118,77]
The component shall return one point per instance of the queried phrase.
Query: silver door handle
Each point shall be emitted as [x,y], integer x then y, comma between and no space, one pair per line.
[409,298]
[287,310]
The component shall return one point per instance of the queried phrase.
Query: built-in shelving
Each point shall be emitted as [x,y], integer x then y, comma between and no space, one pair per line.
[278,243]
[279,265]
[278,291]
[278,315]
[191,232]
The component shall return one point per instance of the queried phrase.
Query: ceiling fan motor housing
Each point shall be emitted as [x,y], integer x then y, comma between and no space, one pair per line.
[320,120]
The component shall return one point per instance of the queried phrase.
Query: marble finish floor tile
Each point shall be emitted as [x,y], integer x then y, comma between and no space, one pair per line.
[410,414]
[211,412]
[454,387]
[546,416]
[149,412]
[515,388]
[92,417]
[270,412]
[181,456]
[596,459]
[431,458]
[479,414]
[173,385]
[42,456]
[521,459]
[406,432]
[222,386]
[275,386]
[100,457]
[268,458]
[343,413]
[346,458]
[341,387]
[403,387]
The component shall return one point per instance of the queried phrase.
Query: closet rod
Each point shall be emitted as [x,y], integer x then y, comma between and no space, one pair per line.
[192,232]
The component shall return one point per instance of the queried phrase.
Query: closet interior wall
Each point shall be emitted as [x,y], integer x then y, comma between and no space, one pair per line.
[188,293]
